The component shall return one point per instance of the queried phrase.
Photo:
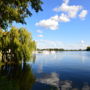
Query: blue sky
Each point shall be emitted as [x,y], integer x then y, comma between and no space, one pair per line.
[61,24]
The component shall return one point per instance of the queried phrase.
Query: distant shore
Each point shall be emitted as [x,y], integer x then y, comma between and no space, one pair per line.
[61,49]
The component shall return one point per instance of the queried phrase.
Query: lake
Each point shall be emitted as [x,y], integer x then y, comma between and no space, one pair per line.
[65,70]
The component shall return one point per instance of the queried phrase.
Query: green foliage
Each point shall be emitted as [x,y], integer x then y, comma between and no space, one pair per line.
[88,48]
[17,44]
[17,10]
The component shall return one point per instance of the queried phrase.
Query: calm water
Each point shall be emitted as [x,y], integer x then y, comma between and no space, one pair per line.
[59,71]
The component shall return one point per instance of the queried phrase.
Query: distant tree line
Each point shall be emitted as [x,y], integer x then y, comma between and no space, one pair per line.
[88,48]
[61,49]
[51,49]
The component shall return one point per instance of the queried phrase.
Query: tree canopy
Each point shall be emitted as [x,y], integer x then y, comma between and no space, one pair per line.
[16,44]
[17,10]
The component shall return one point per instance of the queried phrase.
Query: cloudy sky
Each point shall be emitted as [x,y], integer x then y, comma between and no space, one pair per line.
[61,24]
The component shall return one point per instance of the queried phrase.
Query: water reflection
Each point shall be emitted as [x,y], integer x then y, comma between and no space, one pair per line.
[62,71]
[53,80]
[59,71]
[16,77]
[59,56]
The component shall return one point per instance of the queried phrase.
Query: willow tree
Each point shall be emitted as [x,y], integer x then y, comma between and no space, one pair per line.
[16,45]
[17,10]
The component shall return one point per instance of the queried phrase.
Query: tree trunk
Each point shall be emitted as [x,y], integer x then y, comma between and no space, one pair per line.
[2,56]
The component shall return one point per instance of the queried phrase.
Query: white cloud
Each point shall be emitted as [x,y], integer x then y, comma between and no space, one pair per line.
[59,44]
[49,44]
[64,18]
[39,31]
[40,36]
[83,14]
[82,41]
[55,18]
[53,22]
[68,12]
[49,23]
[61,18]
[83,44]
[71,10]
